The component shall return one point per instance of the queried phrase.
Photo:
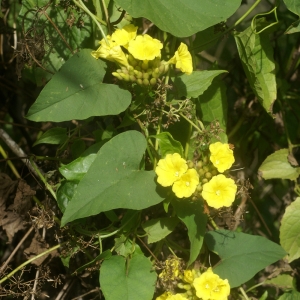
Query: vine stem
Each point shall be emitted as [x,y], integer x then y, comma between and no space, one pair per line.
[243,293]
[29,261]
[191,122]
[81,5]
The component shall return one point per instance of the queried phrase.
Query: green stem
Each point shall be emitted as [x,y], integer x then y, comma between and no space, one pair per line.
[243,293]
[10,164]
[255,286]
[48,186]
[191,122]
[28,262]
[80,4]
[241,19]
[212,222]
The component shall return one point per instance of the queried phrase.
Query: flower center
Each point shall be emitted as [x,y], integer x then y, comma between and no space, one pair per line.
[217,162]
[218,193]
[187,183]
[207,286]
[176,174]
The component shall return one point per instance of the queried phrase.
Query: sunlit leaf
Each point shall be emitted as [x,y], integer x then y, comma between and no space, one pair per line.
[73,94]
[242,255]
[115,181]
[180,17]
[277,165]
[157,229]
[168,145]
[195,84]
[290,230]
[53,136]
[256,54]
[192,215]
[127,279]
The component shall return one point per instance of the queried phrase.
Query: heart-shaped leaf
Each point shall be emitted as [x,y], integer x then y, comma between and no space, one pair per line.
[115,181]
[77,92]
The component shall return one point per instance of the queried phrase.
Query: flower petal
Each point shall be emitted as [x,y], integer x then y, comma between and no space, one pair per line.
[186,185]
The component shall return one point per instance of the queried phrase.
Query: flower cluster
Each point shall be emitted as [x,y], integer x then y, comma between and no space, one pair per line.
[139,56]
[205,286]
[173,171]
[220,191]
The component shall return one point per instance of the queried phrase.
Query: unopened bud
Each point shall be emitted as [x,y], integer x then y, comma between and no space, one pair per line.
[146,82]
[124,70]
[190,164]
[145,75]
[204,180]
[199,164]
[139,81]
[138,74]
[145,65]
[132,78]
[153,81]
[208,175]
[124,76]
[132,61]
[117,75]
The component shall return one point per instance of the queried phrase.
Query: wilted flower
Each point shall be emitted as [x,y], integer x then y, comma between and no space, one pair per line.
[170,169]
[221,156]
[210,286]
[219,191]
[189,276]
[186,185]
[123,36]
[183,59]
[144,47]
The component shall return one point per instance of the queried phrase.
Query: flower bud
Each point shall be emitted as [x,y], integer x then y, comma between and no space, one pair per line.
[145,75]
[139,81]
[199,164]
[190,164]
[132,78]
[204,180]
[132,61]
[124,70]
[124,76]
[208,175]
[145,65]
[146,82]
[153,81]
[138,74]
[117,75]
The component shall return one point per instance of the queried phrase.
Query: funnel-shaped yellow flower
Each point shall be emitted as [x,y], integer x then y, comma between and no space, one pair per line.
[111,52]
[170,169]
[183,59]
[221,156]
[144,47]
[219,191]
[186,185]
[169,296]
[123,36]
[210,286]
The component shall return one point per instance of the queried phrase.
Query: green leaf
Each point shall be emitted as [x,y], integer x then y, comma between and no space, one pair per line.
[53,136]
[77,148]
[292,295]
[293,28]
[127,279]
[242,255]
[180,17]
[77,168]
[206,39]
[168,145]
[256,54]
[192,215]
[213,106]
[65,193]
[290,230]
[293,6]
[283,281]
[157,229]
[277,165]
[76,92]
[195,84]
[115,181]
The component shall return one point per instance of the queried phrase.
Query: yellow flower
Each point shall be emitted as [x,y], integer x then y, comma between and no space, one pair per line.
[186,185]
[219,191]
[177,297]
[210,286]
[164,296]
[144,47]
[183,59]
[111,52]
[169,296]
[170,169]
[189,276]
[123,36]
[221,156]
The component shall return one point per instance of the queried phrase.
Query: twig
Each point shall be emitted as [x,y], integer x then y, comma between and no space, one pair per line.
[29,261]
[16,249]
[17,150]
[239,211]
[64,290]
[92,291]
